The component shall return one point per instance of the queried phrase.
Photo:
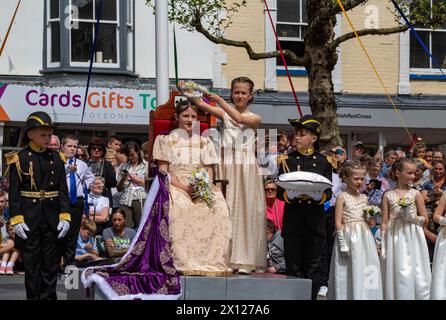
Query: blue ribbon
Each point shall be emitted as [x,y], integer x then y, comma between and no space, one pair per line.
[417,36]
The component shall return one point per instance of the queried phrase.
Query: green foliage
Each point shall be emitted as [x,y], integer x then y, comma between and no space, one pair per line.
[423,13]
[216,15]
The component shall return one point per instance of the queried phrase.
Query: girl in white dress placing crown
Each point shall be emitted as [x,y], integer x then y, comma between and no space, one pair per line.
[355,270]
[406,272]
[438,289]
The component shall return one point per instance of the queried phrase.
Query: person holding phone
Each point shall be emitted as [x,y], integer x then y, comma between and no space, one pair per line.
[375,186]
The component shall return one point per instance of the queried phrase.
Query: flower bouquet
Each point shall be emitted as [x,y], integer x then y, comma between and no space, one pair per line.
[404,204]
[371,211]
[190,89]
[202,186]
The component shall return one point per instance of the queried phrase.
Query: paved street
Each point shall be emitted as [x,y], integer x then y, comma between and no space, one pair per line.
[13,288]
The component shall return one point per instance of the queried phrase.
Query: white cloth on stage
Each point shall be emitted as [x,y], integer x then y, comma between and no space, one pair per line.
[358,275]
[438,288]
[406,272]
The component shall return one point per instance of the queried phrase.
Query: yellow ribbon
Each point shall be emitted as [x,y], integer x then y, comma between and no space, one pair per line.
[376,71]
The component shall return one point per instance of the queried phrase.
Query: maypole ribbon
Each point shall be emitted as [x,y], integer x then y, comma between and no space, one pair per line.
[92,54]
[374,68]
[417,36]
[90,71]
[283,59]
[9,28]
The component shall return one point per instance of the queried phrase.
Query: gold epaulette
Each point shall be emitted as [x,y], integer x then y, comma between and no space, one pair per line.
[281,158]
[63,157]
[11,157]
[333,162]
[281,161]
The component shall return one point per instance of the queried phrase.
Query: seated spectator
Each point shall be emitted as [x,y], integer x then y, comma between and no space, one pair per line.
[118,238]
[274,206]
[86,249]
[3,217]
[275,256]
[9,254]
[99,205]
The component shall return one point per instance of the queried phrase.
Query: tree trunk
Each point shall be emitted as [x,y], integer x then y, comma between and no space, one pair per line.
[320,62]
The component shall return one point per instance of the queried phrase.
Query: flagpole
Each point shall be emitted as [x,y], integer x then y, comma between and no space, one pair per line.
[162,51]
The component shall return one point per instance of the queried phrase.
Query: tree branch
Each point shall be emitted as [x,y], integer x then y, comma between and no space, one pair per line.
[348,5]
[366,32]
[295,59]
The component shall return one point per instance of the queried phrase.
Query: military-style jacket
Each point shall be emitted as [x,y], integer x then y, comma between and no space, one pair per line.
[37,187]
[303,209]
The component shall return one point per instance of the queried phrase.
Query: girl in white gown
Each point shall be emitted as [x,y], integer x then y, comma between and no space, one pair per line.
[355,270]
[406,266]
[438,289]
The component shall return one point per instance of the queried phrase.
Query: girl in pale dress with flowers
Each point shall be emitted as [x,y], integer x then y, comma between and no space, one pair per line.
[200,233]
[244,195]
[354,270]
[438,289]
[404,252]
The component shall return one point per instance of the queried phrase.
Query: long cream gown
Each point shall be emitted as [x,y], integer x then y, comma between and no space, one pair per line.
[245,196]
[200,235]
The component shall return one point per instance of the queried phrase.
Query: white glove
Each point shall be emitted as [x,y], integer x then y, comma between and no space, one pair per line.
[342,244]
[442,221]
[292,194]
[416,220]
[63,227]
[405,213]
[20,229]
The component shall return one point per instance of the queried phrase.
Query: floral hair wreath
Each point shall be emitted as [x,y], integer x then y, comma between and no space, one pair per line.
[190,89]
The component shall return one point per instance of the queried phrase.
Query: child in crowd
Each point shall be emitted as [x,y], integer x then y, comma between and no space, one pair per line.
[9,254]
[438,288]
[275,258]
[86,249]
[355,269]
[404,250]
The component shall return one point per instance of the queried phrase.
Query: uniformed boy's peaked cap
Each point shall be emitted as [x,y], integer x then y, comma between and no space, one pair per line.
[36,120]
[308,122]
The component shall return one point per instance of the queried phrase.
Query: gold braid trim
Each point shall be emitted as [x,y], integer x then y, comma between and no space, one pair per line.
[63,157]
[31,176]
[333,162]
[17,219]
[324,198]
[65,216]
[13,157]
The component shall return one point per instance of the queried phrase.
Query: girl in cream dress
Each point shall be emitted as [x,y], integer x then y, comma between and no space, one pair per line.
[200,235]
[355,269]
[406,266]
[438,288]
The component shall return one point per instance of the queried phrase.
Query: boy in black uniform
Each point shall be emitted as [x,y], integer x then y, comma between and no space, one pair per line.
[303,221]
[39,206]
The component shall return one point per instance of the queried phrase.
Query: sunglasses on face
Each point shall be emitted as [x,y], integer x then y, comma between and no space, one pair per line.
[97,148]
[80,156]
[272,190]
